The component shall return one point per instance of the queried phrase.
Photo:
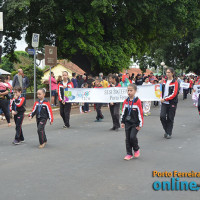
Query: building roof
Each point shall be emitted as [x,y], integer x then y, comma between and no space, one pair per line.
[69,65]
[137,71]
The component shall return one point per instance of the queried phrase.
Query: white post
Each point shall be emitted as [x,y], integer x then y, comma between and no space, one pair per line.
[34,74]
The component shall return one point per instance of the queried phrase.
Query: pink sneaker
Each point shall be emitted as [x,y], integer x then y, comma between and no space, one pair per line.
[137,154]
[128,157]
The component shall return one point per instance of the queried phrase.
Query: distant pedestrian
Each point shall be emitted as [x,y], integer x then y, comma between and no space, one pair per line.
[53,88]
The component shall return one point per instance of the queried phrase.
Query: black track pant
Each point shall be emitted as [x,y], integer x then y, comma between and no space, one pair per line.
[65,110]
[98,109]
[131,140]
[4,107]
[41,130]
[185,93]
[114,111]
[86,107]
[18,121]
[167,115]
[190,90]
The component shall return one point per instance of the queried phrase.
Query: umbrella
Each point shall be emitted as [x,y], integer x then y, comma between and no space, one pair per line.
[3,72]
[191,74]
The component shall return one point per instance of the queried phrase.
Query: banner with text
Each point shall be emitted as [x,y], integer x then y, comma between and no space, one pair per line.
[184,85]
[197,89]
[112,94]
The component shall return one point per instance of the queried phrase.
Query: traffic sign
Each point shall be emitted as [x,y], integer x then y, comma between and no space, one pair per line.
[50,55]
[35,40]
[31,51]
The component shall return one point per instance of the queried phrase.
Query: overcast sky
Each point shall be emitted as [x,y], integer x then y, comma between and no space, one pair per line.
[21,44]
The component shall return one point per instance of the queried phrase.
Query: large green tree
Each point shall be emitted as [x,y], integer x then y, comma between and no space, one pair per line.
[99,35]
[180,53]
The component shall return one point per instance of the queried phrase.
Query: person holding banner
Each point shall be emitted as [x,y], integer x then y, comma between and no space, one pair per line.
[132,120]
[146,104]
[114,107]
[191,82]
[195,95]
[65,108]
[169,102]
[185,90]
[98,106]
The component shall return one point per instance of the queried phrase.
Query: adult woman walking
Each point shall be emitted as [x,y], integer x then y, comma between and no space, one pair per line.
[169,102]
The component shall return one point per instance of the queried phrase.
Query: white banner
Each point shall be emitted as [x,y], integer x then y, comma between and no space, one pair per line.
[197,89]
[112,94]
[184,85]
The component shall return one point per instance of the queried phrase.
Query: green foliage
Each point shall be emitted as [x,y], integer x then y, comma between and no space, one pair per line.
[25,62]
[101,35]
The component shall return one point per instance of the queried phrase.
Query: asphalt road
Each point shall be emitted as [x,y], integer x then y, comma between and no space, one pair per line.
[86,162]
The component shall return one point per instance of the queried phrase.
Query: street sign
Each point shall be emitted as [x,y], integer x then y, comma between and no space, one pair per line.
[50,55]
[1,21]
[31,51]
[35,40]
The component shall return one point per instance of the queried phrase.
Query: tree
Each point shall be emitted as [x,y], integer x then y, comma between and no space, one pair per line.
[99,35]
[6,64]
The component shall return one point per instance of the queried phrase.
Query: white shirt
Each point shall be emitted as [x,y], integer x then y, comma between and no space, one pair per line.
[166,92]
[65,83]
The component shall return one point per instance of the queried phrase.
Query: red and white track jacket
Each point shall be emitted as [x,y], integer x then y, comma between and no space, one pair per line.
[173,91]
[46,111]
[136,113]
[61,89]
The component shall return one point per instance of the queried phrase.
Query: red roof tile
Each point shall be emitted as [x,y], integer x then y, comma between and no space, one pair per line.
[71,66]
[137,71]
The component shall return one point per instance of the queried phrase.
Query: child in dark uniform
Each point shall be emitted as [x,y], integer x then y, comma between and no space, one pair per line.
[17,107]
[132,120]
[98,106]
[43,112]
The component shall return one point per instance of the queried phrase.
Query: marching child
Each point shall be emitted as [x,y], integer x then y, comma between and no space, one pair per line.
[43,112]
[65,108]
[85,105]
[146,104]
[17,107]
[185,90]
[98,106]
[132,120]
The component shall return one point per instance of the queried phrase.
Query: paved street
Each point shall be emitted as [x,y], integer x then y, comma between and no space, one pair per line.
[86,162]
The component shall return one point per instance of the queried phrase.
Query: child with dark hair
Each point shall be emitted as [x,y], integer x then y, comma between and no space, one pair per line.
[86,105]
[65,107]
[43,112]
[98,106]
[17,107]
[132,121]
[185,90]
